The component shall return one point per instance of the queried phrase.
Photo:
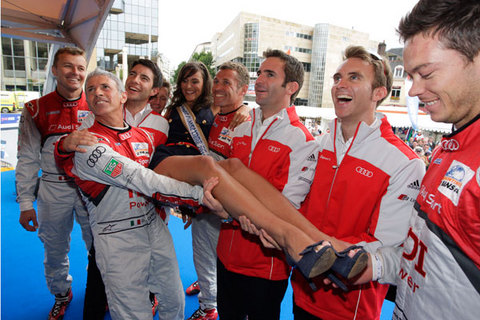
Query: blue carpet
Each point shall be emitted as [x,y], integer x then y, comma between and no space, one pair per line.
[24,293]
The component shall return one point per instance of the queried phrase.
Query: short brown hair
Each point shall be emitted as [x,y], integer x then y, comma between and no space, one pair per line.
[294,71]
[74,51]
[243,77]
[382,72]
[456,22]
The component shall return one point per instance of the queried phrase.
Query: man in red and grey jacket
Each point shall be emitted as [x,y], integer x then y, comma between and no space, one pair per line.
[252,280]
[364,188]
[43,121]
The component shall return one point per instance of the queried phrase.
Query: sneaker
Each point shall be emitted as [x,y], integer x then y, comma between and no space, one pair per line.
[61,304]
[154,302]
[193,289]
[204,314]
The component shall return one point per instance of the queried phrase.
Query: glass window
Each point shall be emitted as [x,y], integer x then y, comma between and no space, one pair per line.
[20,63]
[42,50]
[398,72]
[8,62]
[18,49]
[6,45]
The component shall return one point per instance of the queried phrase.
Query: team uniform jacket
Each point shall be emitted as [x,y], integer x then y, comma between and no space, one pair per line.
[220,137]
[367,199]
[109,163]
[438,269]
[283,151]
[43,121]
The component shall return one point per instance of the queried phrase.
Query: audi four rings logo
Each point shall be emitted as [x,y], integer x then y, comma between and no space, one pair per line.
[95,155]
[273,149]
[450,145]
[365,172]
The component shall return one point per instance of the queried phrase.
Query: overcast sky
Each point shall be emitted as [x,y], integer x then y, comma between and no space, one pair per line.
[184,24]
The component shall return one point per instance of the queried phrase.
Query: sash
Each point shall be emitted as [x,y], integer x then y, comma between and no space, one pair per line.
[188,119]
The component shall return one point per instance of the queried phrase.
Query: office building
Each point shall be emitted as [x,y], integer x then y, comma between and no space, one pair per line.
[318,47]
[130,32]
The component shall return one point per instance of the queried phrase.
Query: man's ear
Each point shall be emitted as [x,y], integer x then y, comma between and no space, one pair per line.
[54,70]
[379,93]
[244,89]
[123,97]
[292,87]
[154,91]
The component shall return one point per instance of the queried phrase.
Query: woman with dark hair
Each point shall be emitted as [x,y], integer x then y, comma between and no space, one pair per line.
[192,100]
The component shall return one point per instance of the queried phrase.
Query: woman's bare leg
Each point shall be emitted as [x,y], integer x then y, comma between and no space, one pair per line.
[236,199]
[275,201]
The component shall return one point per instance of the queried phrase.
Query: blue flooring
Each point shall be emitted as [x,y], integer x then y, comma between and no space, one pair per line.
[24,294]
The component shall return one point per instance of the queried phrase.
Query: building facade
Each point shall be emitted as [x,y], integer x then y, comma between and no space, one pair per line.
[23,64]
[130,32]
[318,47]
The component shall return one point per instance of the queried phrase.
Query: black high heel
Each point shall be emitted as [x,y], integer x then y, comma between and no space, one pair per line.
[313,263]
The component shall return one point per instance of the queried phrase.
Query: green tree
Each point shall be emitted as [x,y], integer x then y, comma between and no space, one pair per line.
[177,71]
[205,56]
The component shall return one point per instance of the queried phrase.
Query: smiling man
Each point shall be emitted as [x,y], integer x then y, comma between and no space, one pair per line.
[134,249]
[437,271]
[252,280]
[365,183]
[43,121]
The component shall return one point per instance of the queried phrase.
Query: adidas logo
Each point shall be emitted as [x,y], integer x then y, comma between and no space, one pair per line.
[311,157]
[414,185]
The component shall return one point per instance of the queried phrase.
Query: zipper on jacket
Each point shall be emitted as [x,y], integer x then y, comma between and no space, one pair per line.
[336,166]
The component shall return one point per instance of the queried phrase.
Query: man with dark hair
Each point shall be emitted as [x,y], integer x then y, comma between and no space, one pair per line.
[437,271]
[159,101]
[43,121]
[359,150]
[143,81]
[252,280]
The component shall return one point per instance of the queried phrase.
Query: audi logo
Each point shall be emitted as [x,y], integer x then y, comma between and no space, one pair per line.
[95,155]
[450,145]
[273,149]
[365,172]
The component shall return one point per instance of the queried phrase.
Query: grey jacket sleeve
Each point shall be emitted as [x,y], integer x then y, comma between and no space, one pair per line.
[28,165]
[102,164]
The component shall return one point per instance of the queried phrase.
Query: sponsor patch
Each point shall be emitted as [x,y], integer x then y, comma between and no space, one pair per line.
[437,161]
[225,136]
[95,155]
[452,184]
[415,185]
[69,104]
[404,197]
[312,158]
[140,149]
[113,168]
[364,172]
[82,114]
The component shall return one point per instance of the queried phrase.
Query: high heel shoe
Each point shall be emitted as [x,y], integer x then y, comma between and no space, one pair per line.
[348,267]
[313,263]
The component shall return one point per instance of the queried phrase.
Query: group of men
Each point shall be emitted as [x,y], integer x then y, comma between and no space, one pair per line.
[366,187]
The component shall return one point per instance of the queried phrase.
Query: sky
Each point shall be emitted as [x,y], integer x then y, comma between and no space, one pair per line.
[184,24]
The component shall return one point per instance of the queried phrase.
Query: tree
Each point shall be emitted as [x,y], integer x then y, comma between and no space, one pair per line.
[205,56]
